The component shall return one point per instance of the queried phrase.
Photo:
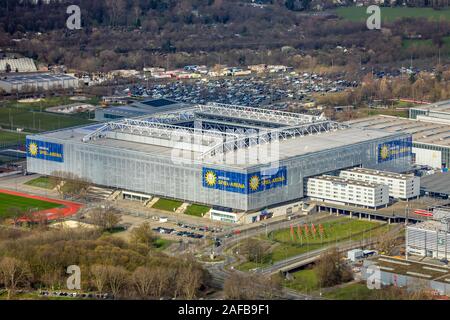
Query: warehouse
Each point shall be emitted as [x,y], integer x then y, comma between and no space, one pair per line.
[220,155]
[438,112]
[411,275]
[431,140]
[14,83]
[347,191]
[432,237]
[401,186]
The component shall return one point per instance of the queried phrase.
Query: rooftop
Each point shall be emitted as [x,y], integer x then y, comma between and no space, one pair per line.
[441,106]
[411,268]
[175,134]
[35,77]
[348,181]
[436,183]
[379,173]
[422,132]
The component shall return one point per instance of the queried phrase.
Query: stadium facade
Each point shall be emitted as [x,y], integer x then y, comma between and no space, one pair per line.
[221,155]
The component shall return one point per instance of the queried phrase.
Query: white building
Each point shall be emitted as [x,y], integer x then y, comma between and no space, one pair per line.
[345,191]
[430,238]
[15,83]
[401,186]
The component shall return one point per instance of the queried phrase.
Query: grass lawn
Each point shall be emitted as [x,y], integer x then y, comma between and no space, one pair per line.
[197,210]
[33,118]
[167,204]
[338,230]
[8,201]
[11,138]
[354,291]
[304,281]
[162,244]
[42,182]
[389,14]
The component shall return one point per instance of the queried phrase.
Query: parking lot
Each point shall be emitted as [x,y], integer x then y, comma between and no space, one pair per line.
[274,90]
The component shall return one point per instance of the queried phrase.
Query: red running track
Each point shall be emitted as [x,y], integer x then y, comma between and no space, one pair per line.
[69,209]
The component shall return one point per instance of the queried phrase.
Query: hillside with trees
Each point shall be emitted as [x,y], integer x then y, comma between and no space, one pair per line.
[119,34]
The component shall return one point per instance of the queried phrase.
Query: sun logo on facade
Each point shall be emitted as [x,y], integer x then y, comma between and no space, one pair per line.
[384,152]
[210,178]
[254,183]
[33,149]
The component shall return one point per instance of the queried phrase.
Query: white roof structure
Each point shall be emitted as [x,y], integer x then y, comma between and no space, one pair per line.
[19,65]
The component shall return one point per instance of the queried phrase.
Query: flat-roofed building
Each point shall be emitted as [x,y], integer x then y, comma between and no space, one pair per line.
[23,83]
[432,237]
[430,140]
[438,112]
[347,191]
[401,186]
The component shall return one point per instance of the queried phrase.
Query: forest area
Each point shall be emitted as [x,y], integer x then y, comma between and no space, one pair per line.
[121,34]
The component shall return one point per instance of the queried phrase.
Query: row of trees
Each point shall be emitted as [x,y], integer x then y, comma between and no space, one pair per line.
[423,86]
[31,260]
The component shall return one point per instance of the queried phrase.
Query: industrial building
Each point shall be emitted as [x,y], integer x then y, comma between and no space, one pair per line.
[432,237]
[407,274]
[401,186]
[347,191]
[138,109]
[23,83]
[438,112]
[430,140]
[241,158]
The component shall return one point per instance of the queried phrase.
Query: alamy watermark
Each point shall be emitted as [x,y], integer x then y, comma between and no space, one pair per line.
[374,277]
[74,20]
[374,20]
[74,280]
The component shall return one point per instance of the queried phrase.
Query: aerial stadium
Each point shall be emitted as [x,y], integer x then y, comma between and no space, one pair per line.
[234,157]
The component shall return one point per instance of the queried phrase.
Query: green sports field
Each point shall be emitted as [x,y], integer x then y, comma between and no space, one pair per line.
[389,14]
[8,138]
[33,118]
[11,201]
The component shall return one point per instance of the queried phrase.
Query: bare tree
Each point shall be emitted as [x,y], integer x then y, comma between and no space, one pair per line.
[105,218]
[143,234]
[100,276]
[13,273]
[69,184]
[144,280]
[331,270]
[117,279]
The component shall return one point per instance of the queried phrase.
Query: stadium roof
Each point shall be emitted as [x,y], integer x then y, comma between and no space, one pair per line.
[165,135]
[422,132]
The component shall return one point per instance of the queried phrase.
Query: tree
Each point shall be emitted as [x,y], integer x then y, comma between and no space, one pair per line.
[117,278]
[15,214]
[105,218]
[331,270]
[144,280]
[13,273]
[143,234]
[100,276]
[387,243]
[69,184]
[250,287]
[254,250]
